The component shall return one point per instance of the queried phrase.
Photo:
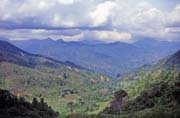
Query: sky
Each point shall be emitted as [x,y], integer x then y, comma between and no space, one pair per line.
[103,20]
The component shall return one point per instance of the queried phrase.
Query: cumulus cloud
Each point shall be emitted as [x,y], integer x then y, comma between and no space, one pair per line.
[113,36]
[148,21]
[102,12]
[66,1]
[131,18]
[57,21]
[174,16]
[24,34]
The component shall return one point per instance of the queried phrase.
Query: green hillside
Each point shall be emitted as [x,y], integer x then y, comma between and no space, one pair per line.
[59,83]
[150,92]
[165,70]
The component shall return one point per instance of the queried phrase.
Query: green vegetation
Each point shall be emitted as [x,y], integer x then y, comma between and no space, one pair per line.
[56,90]
[152,92]
[101,105]
[16,107]
[59,83]
[149,92]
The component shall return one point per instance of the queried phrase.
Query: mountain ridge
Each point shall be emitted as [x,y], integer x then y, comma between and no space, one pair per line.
[10,50]
[108,58]
[30,75]
[150,92]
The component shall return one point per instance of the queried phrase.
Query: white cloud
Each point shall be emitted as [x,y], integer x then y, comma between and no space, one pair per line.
[57,21]
[135,17]
[43,12]
[72,38]
[66,2]
[113,36]
[152,16]
[148,21]
[25,34]
[102,12]
[173,30]
[174,16]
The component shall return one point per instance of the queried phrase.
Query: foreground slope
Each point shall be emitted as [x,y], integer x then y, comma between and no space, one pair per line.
[29,75]
[150,92]
[13,107]
[164,70]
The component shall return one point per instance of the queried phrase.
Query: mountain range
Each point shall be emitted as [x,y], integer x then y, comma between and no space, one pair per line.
[151,90]
[113,59]
[28,75]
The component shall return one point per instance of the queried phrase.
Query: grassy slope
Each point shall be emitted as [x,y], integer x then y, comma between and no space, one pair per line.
[59,83]
[166,70]
[48,83]
[158,85]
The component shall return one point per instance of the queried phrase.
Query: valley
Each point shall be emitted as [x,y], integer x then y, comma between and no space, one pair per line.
[113,59]
[148,92]
[59,83]
[76,92]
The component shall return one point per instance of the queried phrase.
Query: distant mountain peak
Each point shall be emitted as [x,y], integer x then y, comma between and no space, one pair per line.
[177,53]
[13,54]
[173,60]
[3,38]
[6,46]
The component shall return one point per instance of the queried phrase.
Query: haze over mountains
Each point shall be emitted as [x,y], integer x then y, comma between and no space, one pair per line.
[109,58]
[28,75]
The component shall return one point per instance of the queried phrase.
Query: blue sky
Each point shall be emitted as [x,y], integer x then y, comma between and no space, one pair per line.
[104,20]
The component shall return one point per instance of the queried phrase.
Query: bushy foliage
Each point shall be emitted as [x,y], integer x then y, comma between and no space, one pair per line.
[153,92]
[14,107]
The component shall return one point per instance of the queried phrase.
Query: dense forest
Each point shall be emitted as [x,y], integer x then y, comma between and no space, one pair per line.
[17,107]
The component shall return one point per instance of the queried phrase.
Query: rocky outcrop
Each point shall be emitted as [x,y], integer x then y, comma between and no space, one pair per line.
[118,104]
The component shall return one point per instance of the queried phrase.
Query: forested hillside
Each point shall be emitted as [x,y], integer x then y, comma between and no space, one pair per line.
[59,83]
[150,92]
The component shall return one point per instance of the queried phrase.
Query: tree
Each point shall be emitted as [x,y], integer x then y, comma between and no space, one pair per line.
[65,76]
[70,105]
[81,102]
[35,102]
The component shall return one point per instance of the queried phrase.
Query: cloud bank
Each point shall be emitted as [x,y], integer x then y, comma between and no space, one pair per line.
[105,20]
